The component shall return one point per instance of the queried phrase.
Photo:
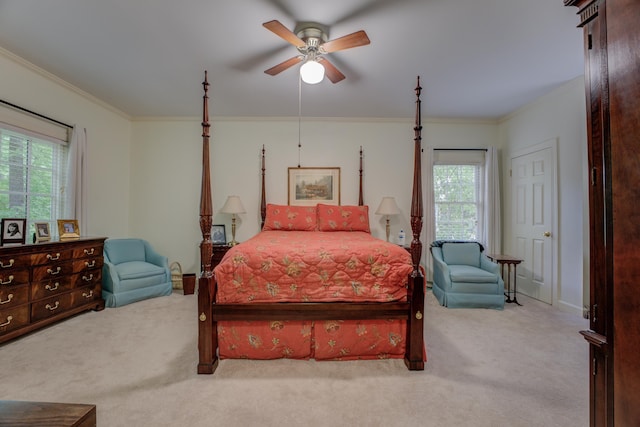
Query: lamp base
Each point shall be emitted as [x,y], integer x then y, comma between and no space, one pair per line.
[233,243]
[388,229]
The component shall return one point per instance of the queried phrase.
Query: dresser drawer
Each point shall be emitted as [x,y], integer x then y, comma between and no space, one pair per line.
[15,276]
[87,251]
[85,295]
[10,296]
[86,278]
[50,307]
[8,262]
[13,318]
[50,288]
[47,257]
[87,264]
[53,271]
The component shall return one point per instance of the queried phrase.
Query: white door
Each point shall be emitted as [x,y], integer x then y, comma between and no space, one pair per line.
[533,213]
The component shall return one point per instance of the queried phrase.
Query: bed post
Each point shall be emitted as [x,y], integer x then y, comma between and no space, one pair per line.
[360,195]
[207,333]
[414,356]
[263,197]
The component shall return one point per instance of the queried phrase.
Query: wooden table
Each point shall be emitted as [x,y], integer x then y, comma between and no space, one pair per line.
[507,260]
[40,414]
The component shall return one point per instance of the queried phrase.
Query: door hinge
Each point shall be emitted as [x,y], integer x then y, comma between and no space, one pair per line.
[594,367]
[594,313]
[594,176]
[510,175]
[589,42]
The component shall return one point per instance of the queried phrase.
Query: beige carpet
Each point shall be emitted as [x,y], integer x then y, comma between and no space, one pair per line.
[524,366]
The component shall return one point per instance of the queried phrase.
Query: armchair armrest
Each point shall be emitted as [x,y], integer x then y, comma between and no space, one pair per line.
[110,278]
[441,274]
[154,257]
[488,265]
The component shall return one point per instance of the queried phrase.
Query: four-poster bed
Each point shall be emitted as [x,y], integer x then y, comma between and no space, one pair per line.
[294,279]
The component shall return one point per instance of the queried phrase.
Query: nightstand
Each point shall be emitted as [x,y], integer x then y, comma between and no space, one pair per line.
[217,254]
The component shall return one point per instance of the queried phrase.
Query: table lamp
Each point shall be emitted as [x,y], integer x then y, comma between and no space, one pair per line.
[388,207]
[233,206]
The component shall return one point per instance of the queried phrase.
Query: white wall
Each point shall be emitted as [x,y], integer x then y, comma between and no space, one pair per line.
[560,115]
[108,137]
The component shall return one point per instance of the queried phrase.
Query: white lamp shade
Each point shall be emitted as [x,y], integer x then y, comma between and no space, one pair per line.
[388,207]
[312,72]
[233,205]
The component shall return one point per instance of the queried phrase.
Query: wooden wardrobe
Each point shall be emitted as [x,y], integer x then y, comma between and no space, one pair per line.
[612,82]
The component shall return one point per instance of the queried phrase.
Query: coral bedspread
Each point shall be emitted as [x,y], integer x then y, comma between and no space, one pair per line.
[313,266]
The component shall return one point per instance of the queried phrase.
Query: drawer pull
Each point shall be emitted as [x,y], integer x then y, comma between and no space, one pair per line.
[9,319]
[7,282]
[52,307]
[90,264]
[52,288]
[2,264]
[9,298]
[52,258]
[89,252]
[88,279]
[88,295]
[53,273]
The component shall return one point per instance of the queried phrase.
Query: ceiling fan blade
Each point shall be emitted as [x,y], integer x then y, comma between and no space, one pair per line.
[331,71]
[281,31]
[359,38]
[284,65]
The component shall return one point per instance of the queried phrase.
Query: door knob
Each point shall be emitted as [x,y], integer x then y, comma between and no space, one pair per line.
[547,234]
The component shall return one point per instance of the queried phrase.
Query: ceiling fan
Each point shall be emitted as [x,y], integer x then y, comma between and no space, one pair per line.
[311,40]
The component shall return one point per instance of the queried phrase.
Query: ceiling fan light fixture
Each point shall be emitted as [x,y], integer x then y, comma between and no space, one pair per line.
[312,72]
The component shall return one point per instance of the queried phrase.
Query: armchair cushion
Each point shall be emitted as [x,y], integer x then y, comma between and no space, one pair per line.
[467,253]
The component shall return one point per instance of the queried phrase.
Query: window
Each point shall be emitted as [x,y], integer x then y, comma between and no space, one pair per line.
[457,191]
[32,177]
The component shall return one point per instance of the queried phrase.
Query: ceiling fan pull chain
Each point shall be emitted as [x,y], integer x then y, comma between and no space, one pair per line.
[299,118]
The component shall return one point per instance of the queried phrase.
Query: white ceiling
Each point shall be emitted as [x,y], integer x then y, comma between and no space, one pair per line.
[476,58]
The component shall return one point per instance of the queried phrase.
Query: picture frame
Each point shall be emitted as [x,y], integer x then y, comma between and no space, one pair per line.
[68,229]
[42,233]
[13,231]
[218,234]
[312,185]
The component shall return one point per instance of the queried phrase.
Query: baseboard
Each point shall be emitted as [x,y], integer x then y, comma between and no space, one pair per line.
[570,308]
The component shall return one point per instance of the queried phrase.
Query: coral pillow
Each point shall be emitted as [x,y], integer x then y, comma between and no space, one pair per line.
[290,218]
[343,218]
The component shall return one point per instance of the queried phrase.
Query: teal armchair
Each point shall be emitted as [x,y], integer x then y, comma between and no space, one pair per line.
[463,277]
[133,271]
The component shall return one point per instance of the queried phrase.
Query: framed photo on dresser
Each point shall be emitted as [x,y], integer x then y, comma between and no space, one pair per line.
[13,231]
[43,233]
[68,228]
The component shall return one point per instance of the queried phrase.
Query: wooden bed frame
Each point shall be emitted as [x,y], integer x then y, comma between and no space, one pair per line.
[210,312]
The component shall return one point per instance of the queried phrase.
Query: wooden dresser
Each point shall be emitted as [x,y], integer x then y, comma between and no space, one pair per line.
[43,283]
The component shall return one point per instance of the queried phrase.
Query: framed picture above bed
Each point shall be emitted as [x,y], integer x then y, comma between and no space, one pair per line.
[310,186]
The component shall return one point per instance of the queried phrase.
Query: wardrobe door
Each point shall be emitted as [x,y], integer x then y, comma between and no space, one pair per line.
[599,336]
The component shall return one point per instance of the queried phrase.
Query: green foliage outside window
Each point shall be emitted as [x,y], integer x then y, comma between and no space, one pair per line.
[456,190]
[31,178]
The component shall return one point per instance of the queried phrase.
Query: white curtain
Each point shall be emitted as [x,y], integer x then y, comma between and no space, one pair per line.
[491,230]
[76,188]
[429,211]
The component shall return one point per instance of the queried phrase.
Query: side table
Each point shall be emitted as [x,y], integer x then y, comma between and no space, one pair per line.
[509,261]
[218,252]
